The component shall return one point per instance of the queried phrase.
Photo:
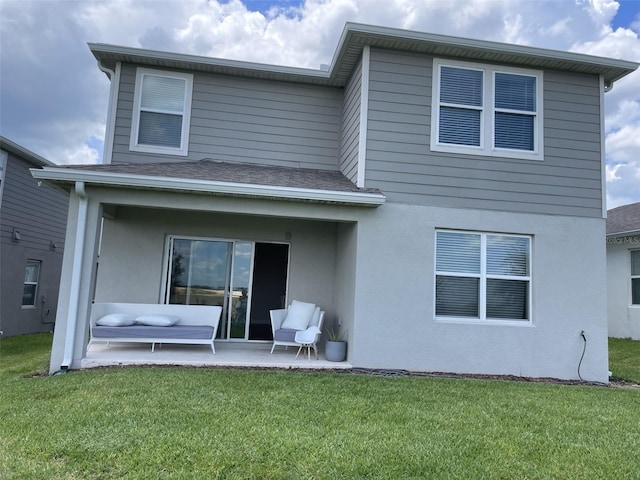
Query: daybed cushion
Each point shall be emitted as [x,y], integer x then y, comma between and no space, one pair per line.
[157,320]
[298,315]
[116,320]
[182,332]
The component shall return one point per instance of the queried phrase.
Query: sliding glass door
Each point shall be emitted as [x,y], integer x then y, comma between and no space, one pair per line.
[225,273]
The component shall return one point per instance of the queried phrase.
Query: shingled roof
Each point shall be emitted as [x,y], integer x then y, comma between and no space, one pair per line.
[245,173]
[219,178]
[624,219]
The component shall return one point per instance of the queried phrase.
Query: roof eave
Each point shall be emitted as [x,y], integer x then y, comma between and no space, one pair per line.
[363,199]
[20,151]
[355,36]
[483,50]
[628,233]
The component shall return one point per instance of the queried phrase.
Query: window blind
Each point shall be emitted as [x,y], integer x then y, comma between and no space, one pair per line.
[163,93]
[457,296]
[461,86]
[160,129]
[507,255]
[458,252]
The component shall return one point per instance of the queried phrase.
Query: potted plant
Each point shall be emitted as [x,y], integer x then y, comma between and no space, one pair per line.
[336,346]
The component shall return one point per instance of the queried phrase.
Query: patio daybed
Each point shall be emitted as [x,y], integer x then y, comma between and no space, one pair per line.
[154,323]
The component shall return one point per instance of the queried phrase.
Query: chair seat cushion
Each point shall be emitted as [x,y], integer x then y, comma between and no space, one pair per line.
[285,335]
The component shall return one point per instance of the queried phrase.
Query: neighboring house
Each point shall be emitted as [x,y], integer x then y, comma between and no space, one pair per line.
[33,218]
[623,271]
[441,198]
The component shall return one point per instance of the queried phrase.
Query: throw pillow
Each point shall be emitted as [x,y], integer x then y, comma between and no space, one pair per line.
[157,320]
[298,315]
[116,320]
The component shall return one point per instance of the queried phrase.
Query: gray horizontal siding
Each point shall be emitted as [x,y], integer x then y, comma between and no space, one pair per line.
[401,164]
[247,120]
[39,213]
[350,139]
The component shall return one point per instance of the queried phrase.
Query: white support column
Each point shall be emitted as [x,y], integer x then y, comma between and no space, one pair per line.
[76,272]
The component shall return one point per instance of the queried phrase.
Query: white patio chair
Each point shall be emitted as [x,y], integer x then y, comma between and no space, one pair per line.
[308,339]
[287,337]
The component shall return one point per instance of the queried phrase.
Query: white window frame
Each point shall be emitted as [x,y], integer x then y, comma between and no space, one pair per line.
[633,277]
[183,150]
[487,138]
[483,276]
[38,264]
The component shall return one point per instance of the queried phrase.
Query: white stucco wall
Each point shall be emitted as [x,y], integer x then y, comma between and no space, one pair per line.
[133,249]
[372,269]
[624,318]
[394,312]
[345,280]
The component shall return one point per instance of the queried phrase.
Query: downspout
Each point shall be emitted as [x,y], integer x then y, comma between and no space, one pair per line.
[364,116]
[604,87]
[114,77]
[74,294]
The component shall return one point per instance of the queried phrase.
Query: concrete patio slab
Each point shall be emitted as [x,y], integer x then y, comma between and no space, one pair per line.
[227,355]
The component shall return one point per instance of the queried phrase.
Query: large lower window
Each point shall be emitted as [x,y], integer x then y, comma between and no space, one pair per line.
[635,277]
[486,110]
[161,112]
[483,276]
[30,289]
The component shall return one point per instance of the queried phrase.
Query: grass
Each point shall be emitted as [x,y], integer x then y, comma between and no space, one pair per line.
[624,358]
[222,423]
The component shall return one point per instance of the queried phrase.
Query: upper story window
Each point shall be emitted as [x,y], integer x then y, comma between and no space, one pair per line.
[161,112]
[483,276]
[486,110]
[635,277]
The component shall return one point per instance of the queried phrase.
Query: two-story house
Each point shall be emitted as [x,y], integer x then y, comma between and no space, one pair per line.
[33,217]
[441,198]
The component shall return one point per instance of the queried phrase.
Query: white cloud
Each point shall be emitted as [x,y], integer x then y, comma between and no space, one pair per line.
[56,98]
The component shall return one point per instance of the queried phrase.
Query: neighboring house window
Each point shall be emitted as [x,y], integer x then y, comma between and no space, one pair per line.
[486,110]
[483,276]
[162,112]
[635,277]
[30,290]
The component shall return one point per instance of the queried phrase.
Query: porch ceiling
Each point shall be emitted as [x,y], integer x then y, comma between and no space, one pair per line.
[220,178]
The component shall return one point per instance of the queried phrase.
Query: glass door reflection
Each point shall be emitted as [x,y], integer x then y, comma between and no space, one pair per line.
[240,290]
[200,274]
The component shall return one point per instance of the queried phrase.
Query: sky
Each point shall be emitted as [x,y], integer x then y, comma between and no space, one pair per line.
[53,98]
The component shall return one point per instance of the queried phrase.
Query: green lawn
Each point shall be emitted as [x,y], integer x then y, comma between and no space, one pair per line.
[223,423]
[624,359]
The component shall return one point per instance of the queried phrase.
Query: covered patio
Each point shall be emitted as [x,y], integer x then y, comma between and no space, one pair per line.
[228,354]
[175,233]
